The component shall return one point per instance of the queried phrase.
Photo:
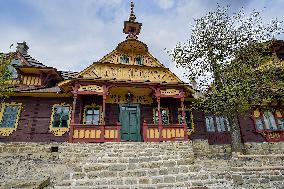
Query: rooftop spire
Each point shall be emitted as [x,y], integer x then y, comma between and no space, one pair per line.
[131,27]
[132,16]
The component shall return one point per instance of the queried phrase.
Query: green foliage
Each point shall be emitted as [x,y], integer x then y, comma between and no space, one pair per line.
[5,74]
[224,55]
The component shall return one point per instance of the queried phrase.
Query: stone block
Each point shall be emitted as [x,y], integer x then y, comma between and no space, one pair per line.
[78,175]
[237,179]
[157,179]
[144,180]
[169,179]
[130,181]
[117,167]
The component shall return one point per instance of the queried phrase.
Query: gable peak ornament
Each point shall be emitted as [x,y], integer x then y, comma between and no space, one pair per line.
[131,27]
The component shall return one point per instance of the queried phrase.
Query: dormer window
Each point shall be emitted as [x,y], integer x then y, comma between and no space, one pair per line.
[124,59]
[139,60]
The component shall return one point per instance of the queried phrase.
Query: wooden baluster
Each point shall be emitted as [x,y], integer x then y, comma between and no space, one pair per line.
[118,131]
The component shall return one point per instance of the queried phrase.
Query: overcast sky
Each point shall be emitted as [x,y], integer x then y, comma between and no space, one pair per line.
[71,34]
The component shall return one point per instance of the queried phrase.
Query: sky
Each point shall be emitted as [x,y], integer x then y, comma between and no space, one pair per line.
[72,34]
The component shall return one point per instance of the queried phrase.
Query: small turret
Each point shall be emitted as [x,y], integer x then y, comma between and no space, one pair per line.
[131,27]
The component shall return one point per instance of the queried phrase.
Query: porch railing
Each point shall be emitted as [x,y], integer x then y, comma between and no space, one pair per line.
[159,133]
[96,133]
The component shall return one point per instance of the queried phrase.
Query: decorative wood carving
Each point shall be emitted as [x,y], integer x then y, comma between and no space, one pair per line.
[275,136]
[95,88]
[114,58]
[170,92]
[119,95]
[123,72]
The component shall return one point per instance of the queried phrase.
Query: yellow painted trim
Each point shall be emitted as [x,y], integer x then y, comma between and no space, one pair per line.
[92,106]
[256,113]
[154,115]
[39,94]
[8,131]
[189,131]
[59,131]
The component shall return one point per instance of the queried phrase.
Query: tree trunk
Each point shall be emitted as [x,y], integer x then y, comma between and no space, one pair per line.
[237,145]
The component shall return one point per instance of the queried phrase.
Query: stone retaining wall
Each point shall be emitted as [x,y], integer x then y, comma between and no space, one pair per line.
[202,148]
[139,165]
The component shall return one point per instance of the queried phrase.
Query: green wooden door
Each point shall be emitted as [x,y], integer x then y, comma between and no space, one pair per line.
[130,123]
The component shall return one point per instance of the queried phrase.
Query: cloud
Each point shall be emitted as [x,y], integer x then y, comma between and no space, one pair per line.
[165,4]
[70,35]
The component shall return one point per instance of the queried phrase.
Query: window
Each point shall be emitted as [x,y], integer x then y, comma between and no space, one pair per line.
[268,121]
[9,116]
[280,122]
[124,59]
[217,123]
[210,124]
[164,116]
[92,115]
[139,60]
[61,116]
[188,118]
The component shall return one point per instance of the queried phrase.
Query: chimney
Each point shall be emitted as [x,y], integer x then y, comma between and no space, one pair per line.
[22,48]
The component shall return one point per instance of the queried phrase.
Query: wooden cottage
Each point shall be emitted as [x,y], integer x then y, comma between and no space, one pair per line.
[128,95]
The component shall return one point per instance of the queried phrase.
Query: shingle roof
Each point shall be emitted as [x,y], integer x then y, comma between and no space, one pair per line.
[33,62]
[26,88]
[68,74]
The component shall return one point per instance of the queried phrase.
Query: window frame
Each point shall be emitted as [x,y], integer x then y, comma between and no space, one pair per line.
[59,131]
[122,59]
[217,129]
[189,130]
[6,131]
[93,106]
[155,118]
[259,115]
[141,59]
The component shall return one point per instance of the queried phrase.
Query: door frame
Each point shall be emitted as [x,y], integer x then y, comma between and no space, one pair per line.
[138,117]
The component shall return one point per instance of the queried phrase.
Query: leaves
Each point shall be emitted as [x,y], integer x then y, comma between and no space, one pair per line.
[227,56]
[5,74]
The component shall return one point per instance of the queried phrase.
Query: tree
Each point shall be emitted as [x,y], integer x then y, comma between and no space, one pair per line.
[5,74]
[224,54]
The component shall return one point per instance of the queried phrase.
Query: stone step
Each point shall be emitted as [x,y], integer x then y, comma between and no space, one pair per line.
[171,180]
[122,166]
[257,160]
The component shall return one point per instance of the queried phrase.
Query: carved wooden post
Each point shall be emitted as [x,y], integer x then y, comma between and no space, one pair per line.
[145,131]
[105,90]
[183,115]
[72,122]
[160,126]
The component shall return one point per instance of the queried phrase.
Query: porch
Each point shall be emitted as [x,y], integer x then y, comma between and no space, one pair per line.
[119,113]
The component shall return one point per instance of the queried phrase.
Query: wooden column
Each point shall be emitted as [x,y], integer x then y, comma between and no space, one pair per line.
[105,89]
[160,126]
[72,122]
[183,115]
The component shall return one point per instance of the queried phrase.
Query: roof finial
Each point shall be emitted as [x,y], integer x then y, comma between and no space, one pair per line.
[132,16]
